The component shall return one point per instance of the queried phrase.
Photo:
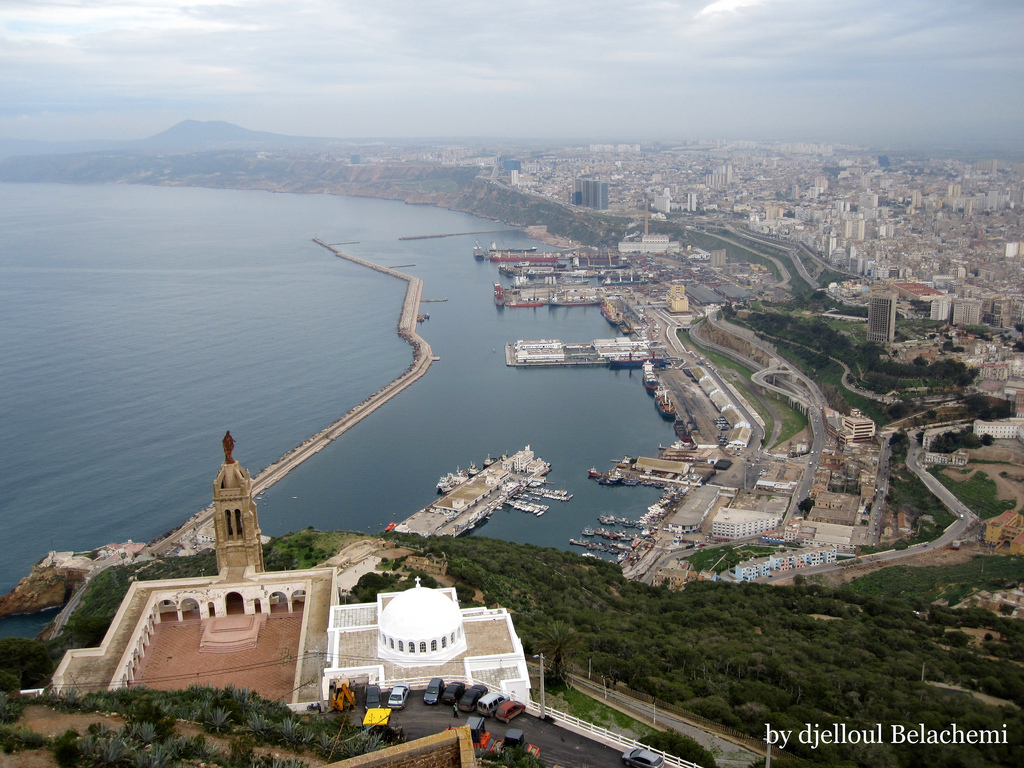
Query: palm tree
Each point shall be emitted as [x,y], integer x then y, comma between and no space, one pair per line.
[559,642]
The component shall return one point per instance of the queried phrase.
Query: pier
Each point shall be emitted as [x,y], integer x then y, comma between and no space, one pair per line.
[453,234]
[423,356]
[473,499]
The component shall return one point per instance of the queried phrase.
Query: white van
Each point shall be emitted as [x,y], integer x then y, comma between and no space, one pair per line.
[490,702]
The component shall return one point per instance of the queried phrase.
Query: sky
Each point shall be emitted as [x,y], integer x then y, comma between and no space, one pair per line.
[855,71]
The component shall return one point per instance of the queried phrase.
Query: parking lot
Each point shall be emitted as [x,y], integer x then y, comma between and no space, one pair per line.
[557,745]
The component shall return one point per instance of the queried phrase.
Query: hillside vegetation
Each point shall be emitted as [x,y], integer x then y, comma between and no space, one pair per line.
[743,655]
[746,655]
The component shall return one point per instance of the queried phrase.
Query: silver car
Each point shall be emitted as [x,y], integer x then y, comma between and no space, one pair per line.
[642,758]
[398,696]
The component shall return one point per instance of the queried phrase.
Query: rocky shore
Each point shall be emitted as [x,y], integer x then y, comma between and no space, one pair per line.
[46,587]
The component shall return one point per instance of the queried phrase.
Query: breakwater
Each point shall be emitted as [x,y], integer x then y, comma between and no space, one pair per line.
[422,357]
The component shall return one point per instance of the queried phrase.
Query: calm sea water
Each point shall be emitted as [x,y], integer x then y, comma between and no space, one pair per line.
[139,323]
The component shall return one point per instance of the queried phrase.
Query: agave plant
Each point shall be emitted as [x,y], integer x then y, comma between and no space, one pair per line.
[112,751]
[326,742]
[362,743]
[195,748]
[67,699]
[86,744]
[155,757]
[258,725]
[219,720]
[144,732]
[288,730]
[101,730]
[94,702]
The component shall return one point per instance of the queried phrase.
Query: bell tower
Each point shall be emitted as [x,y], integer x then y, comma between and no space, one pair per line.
[237,527]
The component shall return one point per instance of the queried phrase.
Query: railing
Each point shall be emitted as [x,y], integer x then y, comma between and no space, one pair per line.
[572,723]
[644,704]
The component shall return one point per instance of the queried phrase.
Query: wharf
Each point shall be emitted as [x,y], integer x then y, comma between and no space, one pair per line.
[453,234]
[617,352]
[584,359]
[423,356]
[474,500]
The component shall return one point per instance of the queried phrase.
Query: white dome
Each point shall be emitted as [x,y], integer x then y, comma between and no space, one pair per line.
[420,614]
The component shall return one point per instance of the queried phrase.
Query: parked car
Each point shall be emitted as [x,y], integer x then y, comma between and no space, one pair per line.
[468,700]
[372,697]
[642,758]
[509,709]
[490,702]
[434,691]
[452,693]
[398,696]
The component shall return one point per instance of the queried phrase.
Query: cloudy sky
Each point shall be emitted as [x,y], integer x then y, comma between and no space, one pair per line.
[842,70]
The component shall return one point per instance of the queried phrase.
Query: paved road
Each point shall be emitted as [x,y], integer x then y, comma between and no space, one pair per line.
[557,745]
[422,358]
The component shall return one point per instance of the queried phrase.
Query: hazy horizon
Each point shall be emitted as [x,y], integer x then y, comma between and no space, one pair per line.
[847,71]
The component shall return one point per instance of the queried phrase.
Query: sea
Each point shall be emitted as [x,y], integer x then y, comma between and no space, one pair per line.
[140,323]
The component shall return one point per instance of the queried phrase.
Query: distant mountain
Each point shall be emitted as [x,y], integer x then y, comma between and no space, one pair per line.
[196,135]
[186,136]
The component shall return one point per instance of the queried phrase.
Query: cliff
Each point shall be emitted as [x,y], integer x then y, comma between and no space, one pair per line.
[45,587]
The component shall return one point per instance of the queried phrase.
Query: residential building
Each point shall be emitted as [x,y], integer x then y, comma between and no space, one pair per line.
[882,316]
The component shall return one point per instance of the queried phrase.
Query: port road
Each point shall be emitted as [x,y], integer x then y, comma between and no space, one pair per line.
[423,356]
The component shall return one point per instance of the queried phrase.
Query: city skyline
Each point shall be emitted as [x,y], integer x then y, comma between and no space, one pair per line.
[858,71]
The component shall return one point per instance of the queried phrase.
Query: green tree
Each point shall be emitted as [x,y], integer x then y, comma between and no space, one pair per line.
[559,642]
[86,631]
[27,659]
[681,746]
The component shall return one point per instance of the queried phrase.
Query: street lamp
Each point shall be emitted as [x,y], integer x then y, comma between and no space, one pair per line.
[542,710]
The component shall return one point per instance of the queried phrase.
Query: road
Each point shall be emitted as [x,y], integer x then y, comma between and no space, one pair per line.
[558,746]
[803,390]
[964,516]
[423,356]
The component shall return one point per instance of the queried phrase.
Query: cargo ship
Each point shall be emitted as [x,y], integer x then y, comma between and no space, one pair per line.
[573,300]
[629,362]
[531,255]
[638,362]
[683,431]
[611,313]
[650,379]
[499,295]
[666,407]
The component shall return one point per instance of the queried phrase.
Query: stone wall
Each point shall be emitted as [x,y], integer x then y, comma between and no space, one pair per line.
[449,749]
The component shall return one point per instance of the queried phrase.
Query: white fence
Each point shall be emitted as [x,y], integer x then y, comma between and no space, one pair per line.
[596,732]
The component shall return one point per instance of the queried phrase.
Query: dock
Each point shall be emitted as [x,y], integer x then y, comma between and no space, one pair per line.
[453,234]
[477,497]
[423,356]
[618,353]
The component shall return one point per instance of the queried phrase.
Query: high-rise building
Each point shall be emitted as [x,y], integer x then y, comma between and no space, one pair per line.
[941,308]
[882,316]
[967,312]
[590,193]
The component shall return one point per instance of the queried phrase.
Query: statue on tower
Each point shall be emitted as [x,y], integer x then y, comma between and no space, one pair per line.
[229,445]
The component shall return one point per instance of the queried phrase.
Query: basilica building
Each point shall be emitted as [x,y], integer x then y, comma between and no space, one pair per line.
[284,634]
